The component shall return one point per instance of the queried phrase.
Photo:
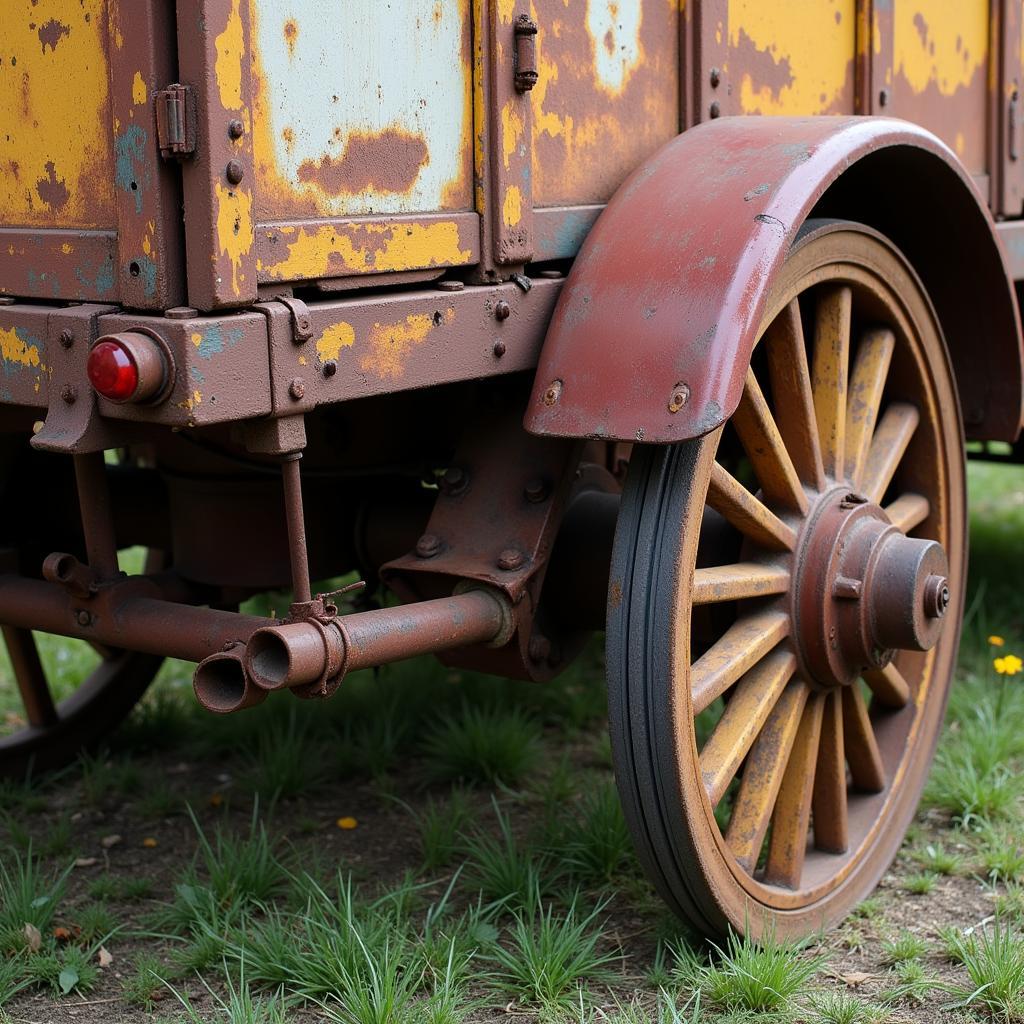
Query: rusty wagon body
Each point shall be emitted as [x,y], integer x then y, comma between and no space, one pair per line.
[665,318]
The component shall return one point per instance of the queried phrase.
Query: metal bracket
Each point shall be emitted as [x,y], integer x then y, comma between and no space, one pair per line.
[176,122]
[302,326]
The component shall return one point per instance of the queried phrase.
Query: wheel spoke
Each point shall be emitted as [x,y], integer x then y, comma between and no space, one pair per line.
[728,497]
[862,753]
[788,844]
[748,708]
[792,395]
[739,581]
[887,447]
[829,801]
[888,686]
[831,363]
[867,382]
[908,511]
[741,647]
[30,677]
[762,775]
[766,449]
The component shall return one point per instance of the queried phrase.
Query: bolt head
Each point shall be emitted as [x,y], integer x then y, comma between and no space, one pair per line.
[536,490]
[83,618]
[510,559]
[499,349]
[67,339]
[679,397]
[235,129]
[936,596]
[428,545]
[451,286]
[330,368]
[181,313]
[297,389]
[716,77]
[502,310]
[234,172]
[69,393]
[715,110]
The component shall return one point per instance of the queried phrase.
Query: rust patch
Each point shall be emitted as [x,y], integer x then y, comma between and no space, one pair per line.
[291,34]
[762,66]
[387,161]
[51,33]
[52,190]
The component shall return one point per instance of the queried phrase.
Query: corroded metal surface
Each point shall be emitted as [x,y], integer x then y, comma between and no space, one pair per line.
[681,261]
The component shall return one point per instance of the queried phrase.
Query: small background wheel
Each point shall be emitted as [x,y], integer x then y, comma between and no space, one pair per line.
[48,718]
[773,713]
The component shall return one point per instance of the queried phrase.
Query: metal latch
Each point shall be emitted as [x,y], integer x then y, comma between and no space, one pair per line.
[176,122]
[525,70]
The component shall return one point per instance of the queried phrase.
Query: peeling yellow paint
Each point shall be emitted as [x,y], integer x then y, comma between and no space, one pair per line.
[331,251]
[941,42]
[14,350]
[196,339]
[230,52]
[512,208]
[506,10]
[511,130]
[55,112]
[817,49]
[390,344]
[234,230]
[67,248]
[333,340]
[139,91]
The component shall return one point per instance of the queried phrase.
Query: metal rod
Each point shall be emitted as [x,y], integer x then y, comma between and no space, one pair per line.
[97,513]
[296,522]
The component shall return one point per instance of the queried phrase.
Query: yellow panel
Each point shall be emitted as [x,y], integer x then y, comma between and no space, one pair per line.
[940,59]
[57,165]
[792,57]
[607,94]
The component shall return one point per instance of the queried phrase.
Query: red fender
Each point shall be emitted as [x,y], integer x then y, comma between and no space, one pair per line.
[669,287]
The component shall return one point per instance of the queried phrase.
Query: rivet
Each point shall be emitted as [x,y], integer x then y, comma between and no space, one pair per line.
[330,368]
[553,392]
[181,313]
[234,172]
[428,545]
[498,349]
[510,559]
[235,129]
[883,98]
[502,310]
[451,286]
[67,339]
[454,481]
[69,393]
[715,110]
[535,491]
[83,618]
[716,77]
[297,389]
[679,397]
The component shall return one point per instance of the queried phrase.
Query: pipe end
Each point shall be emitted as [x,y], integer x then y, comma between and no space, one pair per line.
[222,685]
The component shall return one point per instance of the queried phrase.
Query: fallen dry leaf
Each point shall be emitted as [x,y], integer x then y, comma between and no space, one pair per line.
[855,978]
[86,862]
[108,841]
[104,958]
[62,934]
[149,842]
[35,940]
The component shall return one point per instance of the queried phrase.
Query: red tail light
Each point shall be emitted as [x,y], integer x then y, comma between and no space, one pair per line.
[129,367]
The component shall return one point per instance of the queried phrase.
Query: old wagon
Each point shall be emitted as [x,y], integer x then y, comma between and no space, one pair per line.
[547,316]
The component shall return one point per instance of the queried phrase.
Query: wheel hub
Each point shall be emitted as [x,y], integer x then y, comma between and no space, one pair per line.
[863,590]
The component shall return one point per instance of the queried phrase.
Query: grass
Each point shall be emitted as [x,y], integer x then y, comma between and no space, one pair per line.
[488,842]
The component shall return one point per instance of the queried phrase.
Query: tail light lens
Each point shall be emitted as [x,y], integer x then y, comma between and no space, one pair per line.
[128,367]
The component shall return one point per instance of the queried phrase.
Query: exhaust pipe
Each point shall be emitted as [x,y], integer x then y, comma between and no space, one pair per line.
[222,684]
[316,650]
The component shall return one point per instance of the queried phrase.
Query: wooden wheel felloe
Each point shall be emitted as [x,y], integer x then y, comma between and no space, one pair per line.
[785,602]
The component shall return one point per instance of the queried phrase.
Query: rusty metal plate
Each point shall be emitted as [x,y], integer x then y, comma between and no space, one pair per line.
[607,94]
[940,80]
[24,372]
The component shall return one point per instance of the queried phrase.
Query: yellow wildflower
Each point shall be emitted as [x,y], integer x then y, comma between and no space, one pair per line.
[346,823]
[149,842]
[996,641]
[1009,665]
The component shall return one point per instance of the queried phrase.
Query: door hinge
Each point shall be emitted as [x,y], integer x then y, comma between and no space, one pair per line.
[176,122]
[525,57]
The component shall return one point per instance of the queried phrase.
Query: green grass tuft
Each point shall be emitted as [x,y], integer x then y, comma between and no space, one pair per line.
[994,960]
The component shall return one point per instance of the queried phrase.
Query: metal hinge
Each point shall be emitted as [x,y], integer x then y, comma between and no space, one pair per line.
[176,122]
[525,57]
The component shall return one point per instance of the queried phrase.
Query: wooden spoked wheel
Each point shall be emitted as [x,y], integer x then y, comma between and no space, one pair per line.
[785,602]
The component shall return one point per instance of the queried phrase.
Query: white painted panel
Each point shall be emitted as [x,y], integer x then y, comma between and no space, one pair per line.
[362,106]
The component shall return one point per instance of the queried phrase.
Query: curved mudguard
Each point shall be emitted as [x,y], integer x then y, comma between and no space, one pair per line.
[668,291]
